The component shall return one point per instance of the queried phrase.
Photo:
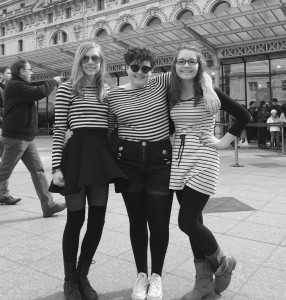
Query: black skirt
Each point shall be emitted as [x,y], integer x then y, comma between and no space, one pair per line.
[87,160]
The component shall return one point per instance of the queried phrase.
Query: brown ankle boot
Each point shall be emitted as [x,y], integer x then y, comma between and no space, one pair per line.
[203,284]
[86,290]
[222,267]
[71,289]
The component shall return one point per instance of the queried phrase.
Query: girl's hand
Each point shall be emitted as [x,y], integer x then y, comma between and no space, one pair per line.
[68,135]
[208,139]
[58,178]
[211,99]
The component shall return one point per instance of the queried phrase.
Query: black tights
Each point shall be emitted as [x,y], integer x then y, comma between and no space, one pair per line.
[152,208]
[97,200]
[190,221]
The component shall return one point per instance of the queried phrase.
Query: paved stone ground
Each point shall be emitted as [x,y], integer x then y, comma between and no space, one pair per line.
[247,216]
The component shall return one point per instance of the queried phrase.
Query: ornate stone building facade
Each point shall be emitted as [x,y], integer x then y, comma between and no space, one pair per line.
[244,41]
[42,23]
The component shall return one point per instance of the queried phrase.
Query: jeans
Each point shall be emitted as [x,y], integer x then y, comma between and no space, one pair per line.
[262,133]
[1,143]
[148,199]
[275,138]
[14,150]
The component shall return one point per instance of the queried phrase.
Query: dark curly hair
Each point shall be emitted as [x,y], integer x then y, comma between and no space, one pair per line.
[139,55]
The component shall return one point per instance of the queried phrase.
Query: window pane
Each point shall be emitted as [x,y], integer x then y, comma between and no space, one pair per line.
[258,81]
[221,6]
[154,21]
[126,27]
[185,15]
[101,33]
[278,79]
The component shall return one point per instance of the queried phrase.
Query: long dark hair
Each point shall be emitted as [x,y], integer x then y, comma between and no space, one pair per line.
[174,93]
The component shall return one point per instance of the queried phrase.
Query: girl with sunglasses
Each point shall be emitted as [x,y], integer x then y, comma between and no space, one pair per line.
[140,108]
[85,166]
[195,166]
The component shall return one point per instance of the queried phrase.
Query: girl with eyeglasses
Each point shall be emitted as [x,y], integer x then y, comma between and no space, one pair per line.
[195,166]
[140,108]
[85,166]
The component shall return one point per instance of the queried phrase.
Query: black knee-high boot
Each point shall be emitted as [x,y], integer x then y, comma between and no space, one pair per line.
[87,292]
[71,288]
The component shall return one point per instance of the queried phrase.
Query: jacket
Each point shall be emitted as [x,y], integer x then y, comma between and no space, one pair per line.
[20,118]
[262,114]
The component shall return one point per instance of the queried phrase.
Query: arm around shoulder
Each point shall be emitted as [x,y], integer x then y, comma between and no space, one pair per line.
[241,115]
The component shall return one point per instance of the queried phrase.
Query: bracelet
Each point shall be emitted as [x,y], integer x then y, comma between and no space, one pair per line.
[56,170]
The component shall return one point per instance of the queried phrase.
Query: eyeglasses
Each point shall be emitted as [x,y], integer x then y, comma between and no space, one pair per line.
[94,58]
[182,62]
[145,69]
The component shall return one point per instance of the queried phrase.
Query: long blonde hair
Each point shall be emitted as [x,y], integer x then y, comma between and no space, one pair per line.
[77,76]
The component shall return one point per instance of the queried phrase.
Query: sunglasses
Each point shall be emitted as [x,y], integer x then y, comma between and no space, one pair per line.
[95,59]
[144,69]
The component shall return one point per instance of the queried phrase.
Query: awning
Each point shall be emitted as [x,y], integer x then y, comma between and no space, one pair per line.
[247,30]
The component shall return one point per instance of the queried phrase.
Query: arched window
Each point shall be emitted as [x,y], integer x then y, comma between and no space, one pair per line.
[59,37]
[154,21]
[101,33]
[220,6]
[185,15]
[64,37]
[126,27]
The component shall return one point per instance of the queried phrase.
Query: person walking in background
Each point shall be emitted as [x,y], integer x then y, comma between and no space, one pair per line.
[195,166]
[262,116]
[20,122]
[5,76]
[274,130]
[85,166]
[244,135]
[140,108]
[252,131]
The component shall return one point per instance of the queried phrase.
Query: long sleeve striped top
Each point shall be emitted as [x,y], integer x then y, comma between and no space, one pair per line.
[78,112]
[141,114]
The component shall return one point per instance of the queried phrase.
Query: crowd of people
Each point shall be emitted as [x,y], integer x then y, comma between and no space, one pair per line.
[146,168]
[266,112]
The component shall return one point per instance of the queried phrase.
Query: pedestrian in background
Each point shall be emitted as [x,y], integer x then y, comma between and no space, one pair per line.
[195,166]
[5,76]
[274,130]
[252,131]
[262,116]
[85,166]
[20,123]
[274,105]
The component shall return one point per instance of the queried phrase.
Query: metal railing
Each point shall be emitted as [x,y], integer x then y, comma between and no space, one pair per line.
[257,125]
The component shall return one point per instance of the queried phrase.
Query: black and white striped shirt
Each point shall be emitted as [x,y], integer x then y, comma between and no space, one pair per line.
[141,114]
[78,112]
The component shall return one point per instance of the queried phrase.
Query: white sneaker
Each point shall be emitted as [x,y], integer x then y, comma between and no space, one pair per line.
[155,288]
[140,287]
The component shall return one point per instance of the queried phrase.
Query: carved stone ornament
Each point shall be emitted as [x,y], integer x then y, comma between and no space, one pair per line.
[125,18]
[41,16]
[89,3]
[40,39]
[77,30]
[110,3]
[153,10]
[77,6]
[99,24]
